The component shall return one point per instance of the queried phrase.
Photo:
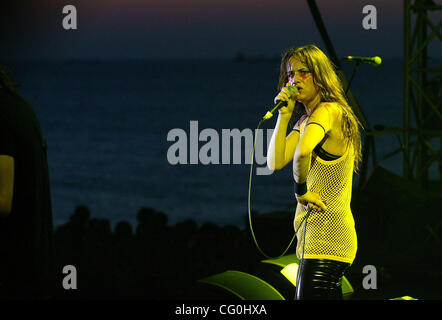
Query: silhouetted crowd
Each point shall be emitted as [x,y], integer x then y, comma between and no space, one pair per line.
[397,233]
[154,261]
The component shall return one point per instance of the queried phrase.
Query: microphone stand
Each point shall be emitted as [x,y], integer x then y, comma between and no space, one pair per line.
[356,68]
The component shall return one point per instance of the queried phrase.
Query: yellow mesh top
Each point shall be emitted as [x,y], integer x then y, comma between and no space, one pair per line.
[330,234]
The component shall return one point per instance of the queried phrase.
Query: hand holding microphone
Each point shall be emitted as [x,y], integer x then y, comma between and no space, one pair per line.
[284,101]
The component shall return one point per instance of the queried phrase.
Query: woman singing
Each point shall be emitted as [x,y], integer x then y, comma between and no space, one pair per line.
[325,147]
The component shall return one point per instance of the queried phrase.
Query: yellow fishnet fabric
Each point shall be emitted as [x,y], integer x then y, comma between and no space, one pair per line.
[330,234]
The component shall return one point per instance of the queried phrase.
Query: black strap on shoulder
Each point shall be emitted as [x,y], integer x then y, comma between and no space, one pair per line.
[325,132]
[324,155]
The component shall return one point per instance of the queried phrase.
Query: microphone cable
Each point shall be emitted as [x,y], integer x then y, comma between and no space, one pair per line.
[266,117]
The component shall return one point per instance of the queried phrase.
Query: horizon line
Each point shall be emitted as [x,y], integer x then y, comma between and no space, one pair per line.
[141,59]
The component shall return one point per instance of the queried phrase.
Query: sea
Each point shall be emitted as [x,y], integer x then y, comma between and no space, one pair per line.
[107,125]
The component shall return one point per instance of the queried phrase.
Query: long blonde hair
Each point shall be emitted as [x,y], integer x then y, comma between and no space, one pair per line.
[330,88]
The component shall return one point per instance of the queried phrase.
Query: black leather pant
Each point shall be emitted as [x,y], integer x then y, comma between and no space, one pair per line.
[320,279]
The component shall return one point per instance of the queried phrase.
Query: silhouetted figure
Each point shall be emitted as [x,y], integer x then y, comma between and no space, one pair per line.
[124,261]
[71,239]
[152,245]
[150,221]
[123,231]
[26,245]
[79,221]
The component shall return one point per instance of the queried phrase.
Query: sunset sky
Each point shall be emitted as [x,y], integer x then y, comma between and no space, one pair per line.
[143,29]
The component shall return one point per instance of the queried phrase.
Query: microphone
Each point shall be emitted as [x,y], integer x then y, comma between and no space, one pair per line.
[279,103]
[375,61]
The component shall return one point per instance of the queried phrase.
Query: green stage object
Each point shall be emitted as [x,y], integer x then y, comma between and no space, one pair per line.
[404,298]
[249,287]
[244,286]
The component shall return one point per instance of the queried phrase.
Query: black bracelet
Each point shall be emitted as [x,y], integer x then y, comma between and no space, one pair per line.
[300,188]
